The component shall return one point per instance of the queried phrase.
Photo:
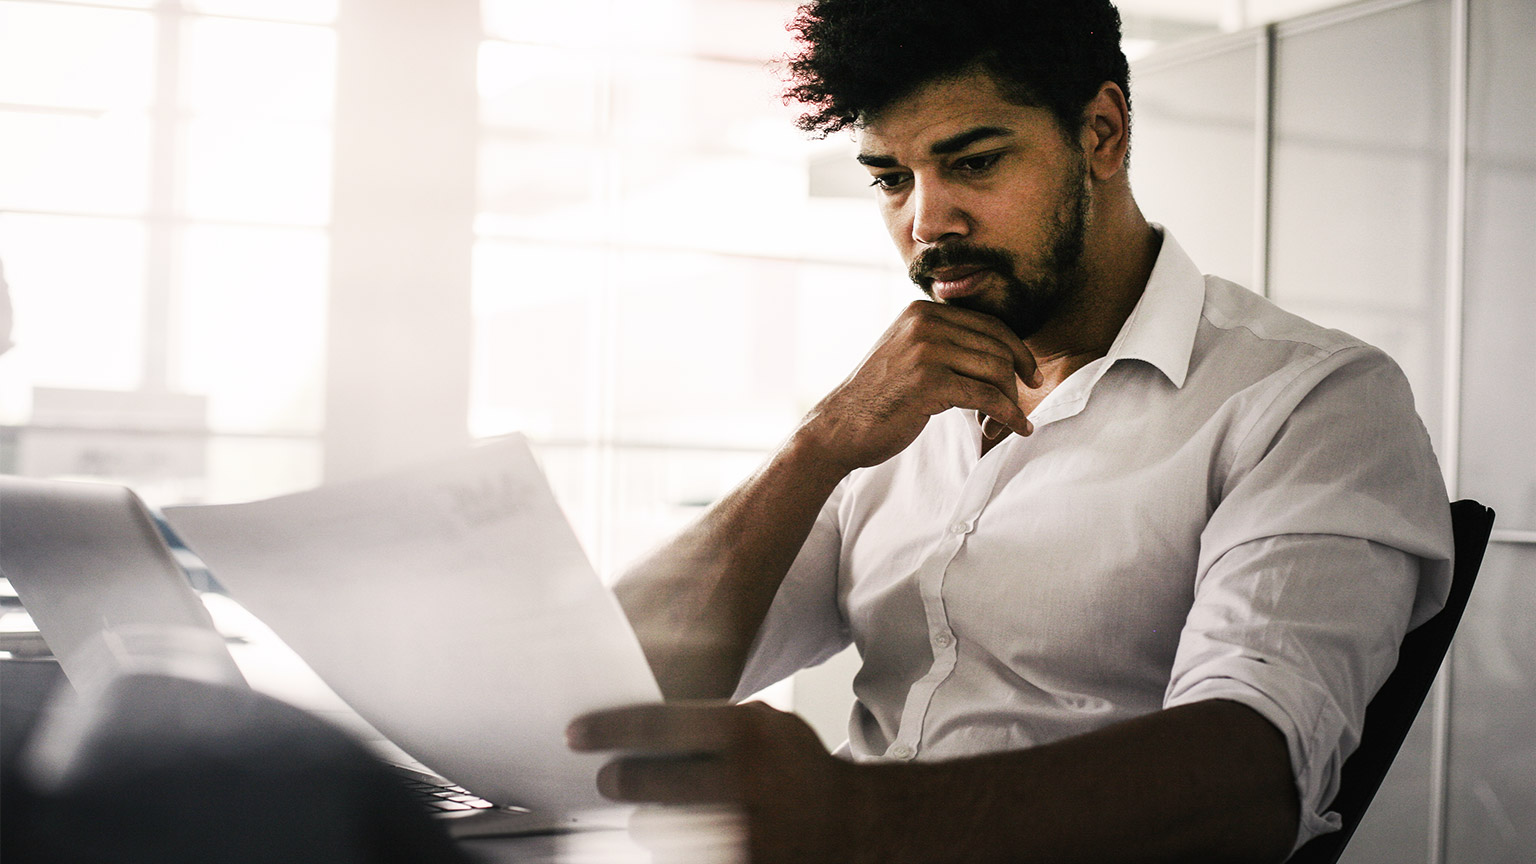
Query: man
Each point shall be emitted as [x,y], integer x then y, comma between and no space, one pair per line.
[1125,550]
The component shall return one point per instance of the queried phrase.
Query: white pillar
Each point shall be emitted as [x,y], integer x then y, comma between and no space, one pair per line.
[398,356]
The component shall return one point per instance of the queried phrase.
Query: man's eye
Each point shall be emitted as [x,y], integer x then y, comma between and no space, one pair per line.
[887,182]
[977,164]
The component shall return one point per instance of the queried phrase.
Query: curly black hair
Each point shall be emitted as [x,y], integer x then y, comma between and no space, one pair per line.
[860,56]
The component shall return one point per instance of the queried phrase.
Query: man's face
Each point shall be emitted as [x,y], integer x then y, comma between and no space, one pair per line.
[986,200]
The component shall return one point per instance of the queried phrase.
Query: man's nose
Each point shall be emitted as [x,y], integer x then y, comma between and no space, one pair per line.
[936,215]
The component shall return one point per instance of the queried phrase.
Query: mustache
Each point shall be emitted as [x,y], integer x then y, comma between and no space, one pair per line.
[936,258]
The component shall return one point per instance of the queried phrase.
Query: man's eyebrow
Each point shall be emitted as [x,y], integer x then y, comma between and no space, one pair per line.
[944,147]
[956,143]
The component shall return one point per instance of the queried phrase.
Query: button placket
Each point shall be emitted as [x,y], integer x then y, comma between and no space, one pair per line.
[973,497]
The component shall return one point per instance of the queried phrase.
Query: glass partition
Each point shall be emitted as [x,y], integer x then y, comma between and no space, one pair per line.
[1194,153]
[1493,751]
[1498,464]
[1359,183]
[1493,743]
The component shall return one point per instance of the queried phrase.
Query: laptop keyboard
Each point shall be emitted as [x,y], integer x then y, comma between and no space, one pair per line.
[442,798]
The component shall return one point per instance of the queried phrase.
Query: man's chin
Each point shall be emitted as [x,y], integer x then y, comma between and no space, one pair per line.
[1017,305]
[1023,322]
[979,303]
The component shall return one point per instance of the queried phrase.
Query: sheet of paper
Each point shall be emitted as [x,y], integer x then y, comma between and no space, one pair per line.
[451,606]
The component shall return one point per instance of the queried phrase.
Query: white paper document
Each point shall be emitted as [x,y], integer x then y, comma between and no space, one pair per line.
[451,606]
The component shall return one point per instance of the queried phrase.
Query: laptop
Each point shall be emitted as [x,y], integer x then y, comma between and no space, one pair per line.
[449,604]
[93,572]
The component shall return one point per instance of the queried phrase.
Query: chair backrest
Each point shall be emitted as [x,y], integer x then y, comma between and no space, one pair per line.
[1392,711]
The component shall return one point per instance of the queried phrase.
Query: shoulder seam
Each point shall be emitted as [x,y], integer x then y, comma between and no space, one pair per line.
[1337,339]
[1285,386]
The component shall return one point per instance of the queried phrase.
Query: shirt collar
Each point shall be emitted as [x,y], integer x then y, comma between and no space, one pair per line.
[1161,329]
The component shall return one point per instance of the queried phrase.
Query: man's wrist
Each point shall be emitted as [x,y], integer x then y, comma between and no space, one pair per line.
[811,459]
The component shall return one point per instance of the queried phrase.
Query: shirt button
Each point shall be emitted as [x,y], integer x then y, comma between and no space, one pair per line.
[942,640]
[959,528]
[901,751]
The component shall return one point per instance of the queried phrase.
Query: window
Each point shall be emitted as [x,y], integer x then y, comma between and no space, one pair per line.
[164,198]
[667,273]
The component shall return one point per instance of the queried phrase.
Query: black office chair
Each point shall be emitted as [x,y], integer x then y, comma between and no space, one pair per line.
[1392,711]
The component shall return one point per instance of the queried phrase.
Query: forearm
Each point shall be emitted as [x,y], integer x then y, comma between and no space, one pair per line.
[697,602]
[1208,782]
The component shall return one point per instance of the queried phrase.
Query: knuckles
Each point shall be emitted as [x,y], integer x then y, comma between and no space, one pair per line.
[921,320]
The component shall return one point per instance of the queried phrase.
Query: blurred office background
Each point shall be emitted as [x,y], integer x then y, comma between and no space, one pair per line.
[256,245]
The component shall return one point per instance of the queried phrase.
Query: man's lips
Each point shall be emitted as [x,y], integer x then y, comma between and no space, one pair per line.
[950,283]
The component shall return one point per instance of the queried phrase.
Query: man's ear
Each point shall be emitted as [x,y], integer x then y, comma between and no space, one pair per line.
[1107,131]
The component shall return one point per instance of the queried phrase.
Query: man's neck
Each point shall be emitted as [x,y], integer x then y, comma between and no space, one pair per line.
[1117,265]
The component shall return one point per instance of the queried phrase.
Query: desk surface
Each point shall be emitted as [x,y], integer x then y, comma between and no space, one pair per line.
[655,836]
[598,847]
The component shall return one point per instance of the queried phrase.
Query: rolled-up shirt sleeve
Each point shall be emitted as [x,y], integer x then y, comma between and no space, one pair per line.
[1330,540]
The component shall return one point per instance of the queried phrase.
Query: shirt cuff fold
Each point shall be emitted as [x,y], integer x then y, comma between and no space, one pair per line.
[1310,722]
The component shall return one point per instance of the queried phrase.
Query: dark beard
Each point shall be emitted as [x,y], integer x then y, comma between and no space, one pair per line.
[1027,304]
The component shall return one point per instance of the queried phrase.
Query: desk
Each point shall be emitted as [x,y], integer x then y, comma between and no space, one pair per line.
[655,836]
[598,847]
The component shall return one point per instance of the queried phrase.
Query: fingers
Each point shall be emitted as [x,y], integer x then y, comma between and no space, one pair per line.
[993,404]
[693,753]
[668,780]
[980,351]
[931,359]
[991,429]
[978,331]
[660,728]
[999,402]
[995,369]
[675,751]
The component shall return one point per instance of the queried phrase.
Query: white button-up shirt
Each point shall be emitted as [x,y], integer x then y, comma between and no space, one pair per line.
[1232,504]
